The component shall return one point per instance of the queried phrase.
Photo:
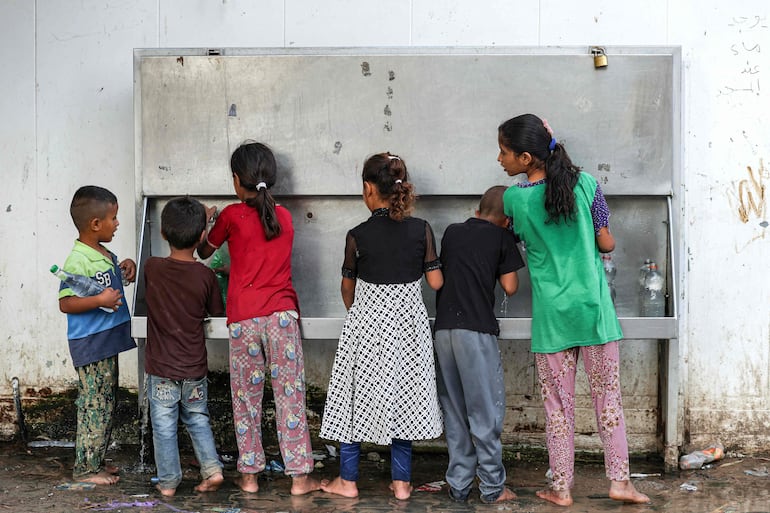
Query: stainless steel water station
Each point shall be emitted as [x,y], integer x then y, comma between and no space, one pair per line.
[323,111]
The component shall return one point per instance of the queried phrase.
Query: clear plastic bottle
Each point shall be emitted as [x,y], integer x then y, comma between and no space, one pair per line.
[123,278]
[643,270]
[697,459]
[653,293]
[610,271]
[82,286]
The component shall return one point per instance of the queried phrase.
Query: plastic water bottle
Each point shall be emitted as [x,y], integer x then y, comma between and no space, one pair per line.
[643,270]
[123,278]
[653,293]
[82,286]
[610,270]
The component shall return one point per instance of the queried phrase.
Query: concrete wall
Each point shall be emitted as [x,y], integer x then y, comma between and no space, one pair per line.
[66,119]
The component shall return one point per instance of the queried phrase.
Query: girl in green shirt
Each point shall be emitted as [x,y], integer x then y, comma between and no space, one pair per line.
[561,215]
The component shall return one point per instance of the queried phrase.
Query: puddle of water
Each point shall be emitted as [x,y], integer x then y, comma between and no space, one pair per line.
[29,479]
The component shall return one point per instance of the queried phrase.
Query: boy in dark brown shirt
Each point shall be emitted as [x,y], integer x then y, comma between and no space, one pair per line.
[180,294]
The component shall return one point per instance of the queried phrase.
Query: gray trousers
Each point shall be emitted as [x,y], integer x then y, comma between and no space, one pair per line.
[469,376]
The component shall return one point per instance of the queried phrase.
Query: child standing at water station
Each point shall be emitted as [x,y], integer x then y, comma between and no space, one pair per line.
[180,294]
[562,216]
[475,255]
[262,315]
[382,388]
[96,336]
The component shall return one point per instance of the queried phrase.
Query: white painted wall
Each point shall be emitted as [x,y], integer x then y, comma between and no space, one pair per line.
[66,119]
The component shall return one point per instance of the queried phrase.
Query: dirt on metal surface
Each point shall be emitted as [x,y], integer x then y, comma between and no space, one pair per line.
[39,479]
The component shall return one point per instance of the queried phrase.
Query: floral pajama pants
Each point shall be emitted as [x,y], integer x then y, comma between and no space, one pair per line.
[258,347]
[556,372]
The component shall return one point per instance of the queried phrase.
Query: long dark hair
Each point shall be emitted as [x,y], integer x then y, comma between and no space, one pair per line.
[255,166]
[388,173]
[527,132]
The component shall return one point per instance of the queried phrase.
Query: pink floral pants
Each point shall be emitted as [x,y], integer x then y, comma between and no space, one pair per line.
[556,372]
[258,347]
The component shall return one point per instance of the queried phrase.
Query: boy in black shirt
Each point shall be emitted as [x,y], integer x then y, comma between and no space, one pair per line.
[474,256]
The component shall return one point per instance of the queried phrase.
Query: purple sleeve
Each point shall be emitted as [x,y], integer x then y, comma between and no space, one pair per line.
[600,212]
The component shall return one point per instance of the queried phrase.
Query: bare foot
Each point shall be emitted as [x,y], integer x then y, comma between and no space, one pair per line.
[507,495]
[166,492]
[402,490]
[303,483]
[248,483]
[100,478]
[626,492]
[560,498]
[341,487]
[211,483]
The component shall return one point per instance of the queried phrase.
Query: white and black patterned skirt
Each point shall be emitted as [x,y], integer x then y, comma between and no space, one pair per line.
[383,383]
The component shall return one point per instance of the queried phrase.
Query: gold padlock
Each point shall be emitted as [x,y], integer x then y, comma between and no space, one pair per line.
[600,57]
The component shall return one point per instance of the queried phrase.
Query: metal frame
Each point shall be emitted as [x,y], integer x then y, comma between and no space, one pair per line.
[665,330]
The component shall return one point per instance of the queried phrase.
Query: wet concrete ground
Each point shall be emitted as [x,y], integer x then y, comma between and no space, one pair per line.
[36,480]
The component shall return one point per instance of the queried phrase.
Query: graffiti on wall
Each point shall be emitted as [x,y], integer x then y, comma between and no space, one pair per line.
[750,193]
[746,54]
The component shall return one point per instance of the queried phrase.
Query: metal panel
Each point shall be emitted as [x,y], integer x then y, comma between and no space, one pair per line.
[324,113]
[639,224]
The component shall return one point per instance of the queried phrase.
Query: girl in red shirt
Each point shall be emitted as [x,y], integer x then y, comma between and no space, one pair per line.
[262,315]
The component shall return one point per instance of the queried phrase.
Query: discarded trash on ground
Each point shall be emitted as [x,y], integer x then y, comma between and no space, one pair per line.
[697,459]
[113,505]
[757,472]
[688,487]
[75,486]
[434,486]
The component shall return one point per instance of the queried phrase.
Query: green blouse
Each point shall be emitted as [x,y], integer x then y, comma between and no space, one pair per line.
[571,302]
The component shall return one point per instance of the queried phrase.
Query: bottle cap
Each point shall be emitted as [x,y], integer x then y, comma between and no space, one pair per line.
[54,268]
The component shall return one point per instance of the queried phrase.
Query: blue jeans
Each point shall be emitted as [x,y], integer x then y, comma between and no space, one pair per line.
[400,460]
[171,400]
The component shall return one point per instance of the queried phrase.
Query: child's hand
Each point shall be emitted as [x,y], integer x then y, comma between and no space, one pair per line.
[225,269]
[210,211]
[128,268]
[110,298]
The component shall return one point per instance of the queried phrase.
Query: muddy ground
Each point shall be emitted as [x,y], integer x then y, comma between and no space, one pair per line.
[38,479]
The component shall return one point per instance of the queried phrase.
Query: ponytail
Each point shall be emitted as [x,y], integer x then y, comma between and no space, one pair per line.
[561,177]
[264,204]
